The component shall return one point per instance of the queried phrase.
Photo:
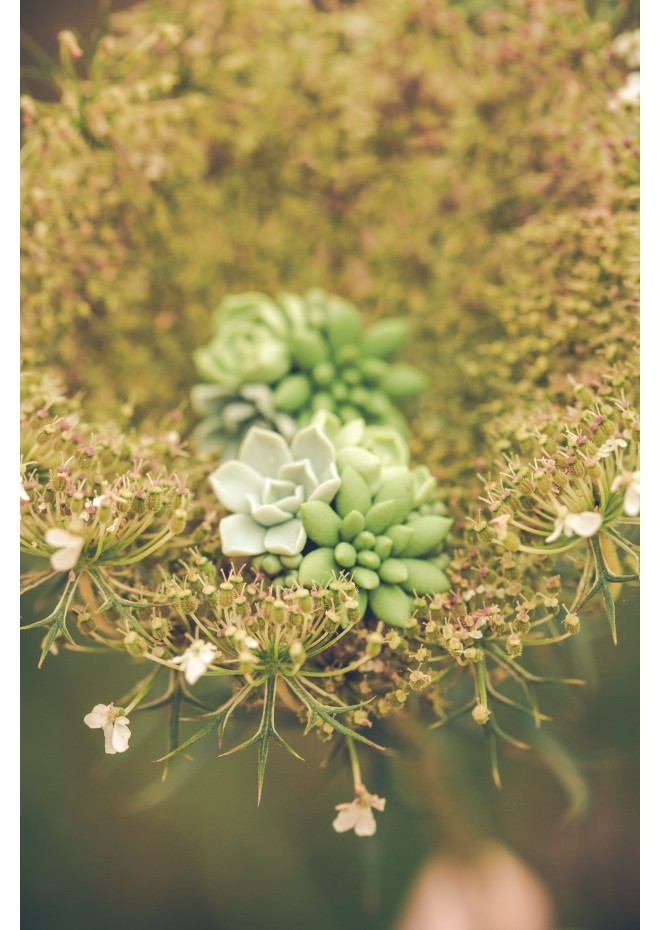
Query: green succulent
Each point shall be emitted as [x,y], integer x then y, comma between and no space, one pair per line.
[382,538]
[313,352]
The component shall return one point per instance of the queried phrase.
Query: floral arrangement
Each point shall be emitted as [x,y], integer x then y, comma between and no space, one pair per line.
[326,533]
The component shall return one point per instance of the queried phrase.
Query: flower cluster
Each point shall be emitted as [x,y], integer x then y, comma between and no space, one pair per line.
[277,362]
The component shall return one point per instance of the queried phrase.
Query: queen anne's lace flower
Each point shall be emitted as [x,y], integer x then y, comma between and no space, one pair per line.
[68,547]
[358,814]
[584,524]
[196,660]
[114,724]
[266,486]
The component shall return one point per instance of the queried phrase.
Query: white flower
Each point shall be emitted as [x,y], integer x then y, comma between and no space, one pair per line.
[196,660]
[628,95]
[610,446]
[626,46]
[68,546]
[582,524]
[24,494]
[357,815]
[115,726]
[630,481]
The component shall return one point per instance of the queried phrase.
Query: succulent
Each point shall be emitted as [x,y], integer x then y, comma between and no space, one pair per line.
[266,486]
[229,414]
[380,536]
[312,353]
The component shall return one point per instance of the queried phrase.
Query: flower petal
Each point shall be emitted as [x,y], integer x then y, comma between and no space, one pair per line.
[232,482]
[631,500]
[365,824]
[61,538]
[108,731]
[240,535]
[302,475]
[121,734]
[64,559]
[346,818]
[558,530]
[584,524]
[287,539]
[269,514]
[265,451]
[98,717]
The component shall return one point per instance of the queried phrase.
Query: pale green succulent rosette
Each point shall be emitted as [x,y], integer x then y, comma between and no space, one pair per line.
[228,414]
[300,355]
[265,487]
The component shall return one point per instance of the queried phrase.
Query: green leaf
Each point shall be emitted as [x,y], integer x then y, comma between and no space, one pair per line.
[380,516]
[317,567]
[291,393]
[385,338]
[353,494]
[428,532]
[351,525]
[321,523]
[308,348]
[391,605]
[393,571]
[399,489]
[403,381]
[424,577]
[400,536]
[366,578]
[344,324]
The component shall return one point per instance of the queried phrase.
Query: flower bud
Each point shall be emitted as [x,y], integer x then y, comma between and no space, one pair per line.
[572,623]
[44,435]
[138,503]
[86,623]
[297,654]
[226,594]
[480,714]
[135,644]
[160,626]
[178,521]
[374,643]
[188,602]
[514,646]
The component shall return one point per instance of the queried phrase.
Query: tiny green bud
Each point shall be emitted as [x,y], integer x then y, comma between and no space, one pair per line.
[178,521]
[135,644]
[572,623]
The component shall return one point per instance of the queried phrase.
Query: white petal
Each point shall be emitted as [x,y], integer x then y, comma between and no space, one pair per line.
[311,443]
[556,533]
[194,669]
[346,818]
[265,451]
[64,559]
[631,501]
[121,734]
[365,825]
[108,730]
[240,535]
[232,482]
[98,717]
[287,539]
[61,538]
[584,524]
[276,488]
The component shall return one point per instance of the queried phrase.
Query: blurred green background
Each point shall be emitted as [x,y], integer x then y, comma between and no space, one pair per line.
[105,845]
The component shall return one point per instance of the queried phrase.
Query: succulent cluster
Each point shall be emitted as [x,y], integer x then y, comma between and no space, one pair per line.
[476,174]
[281,361]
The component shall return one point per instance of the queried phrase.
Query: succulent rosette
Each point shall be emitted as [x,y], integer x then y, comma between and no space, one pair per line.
[379,536]
[306,354]
[230,413]
[265,487]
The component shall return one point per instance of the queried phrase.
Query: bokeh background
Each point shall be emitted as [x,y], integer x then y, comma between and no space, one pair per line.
[106,845]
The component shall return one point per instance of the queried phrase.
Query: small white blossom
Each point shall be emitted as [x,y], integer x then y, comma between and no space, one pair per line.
[628,95]
[358,815]
[584,524]
[630,481]
[626,46]
[196,660]
[114,724]
[24,494]
[610,446]
[68,546]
